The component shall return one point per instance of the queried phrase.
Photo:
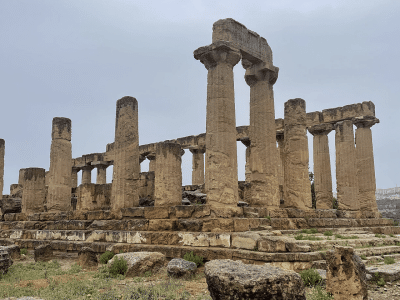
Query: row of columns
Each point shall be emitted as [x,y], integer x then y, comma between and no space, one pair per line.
[101,178]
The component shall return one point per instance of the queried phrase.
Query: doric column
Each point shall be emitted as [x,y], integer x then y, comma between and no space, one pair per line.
[152,164]
[101,167]
[221,178]
[365,163]
[247,171]
[86,174]
[297,189]
[34,191]
[74,177]
[322,165]
[59,191]
[346,166]
[262,132]
[125,184]
[198,165]
[168,175]
[2,152]
[280,138]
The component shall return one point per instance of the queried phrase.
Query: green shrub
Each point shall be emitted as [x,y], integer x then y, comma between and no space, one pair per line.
[379,280]
[363,257]
[389,260]
[310,277]
[391,235]
[318,293]
[308,238]
[106,256]
[197,259]
[328,233]
[268,217]
[23,251]
[339,236]
[118,266]
[299,237]
[380,235]
[309,231]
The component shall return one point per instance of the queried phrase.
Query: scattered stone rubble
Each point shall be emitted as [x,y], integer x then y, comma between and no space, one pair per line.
[179,267]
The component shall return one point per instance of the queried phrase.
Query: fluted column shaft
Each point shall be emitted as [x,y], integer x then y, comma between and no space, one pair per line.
[168,175]
[60,172]
[86,174]
[33,192]
[280,138]
[198,166]
[2,153]
[365,163]
[322,166]
[262,133]
[125,184]
[346,166]
[74,177]
[221,178]
[297,187]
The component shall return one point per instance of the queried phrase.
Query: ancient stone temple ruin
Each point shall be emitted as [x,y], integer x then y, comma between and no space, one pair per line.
[216,216]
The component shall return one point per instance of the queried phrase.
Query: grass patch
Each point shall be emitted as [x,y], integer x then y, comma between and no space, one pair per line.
[310,277]
[328,233]
[382,236]
[363,257]
[309,231]
[391,235]
[318,293]
[379,280]
[197,259]
[352,237]
[300,237]
[389,260]
[23,251]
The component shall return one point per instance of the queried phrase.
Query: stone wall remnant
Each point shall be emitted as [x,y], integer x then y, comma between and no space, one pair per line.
[168,175]
[33,191]
[297,184]
[60,172]
[125,185]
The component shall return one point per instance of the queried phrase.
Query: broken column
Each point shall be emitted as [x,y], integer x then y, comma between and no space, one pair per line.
[280,138]
[125,185]
[59,190]
[346,168]
[262,132]
[322,165]
[221,178]
[365,163]
[33,191]
[198,165]
[86,174]
[168,175]
[297,187]
[2,152]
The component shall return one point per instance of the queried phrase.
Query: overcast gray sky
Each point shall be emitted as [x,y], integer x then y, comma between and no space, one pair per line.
[76,58]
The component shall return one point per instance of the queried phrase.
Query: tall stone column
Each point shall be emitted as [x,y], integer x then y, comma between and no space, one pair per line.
[125,185]
[2,153]
[262,133]
[297,189]
[221,178]
[34,191]
[86,174]
[346,166]
[365,163]
[322,165]
[152,164]
[74,177]
[60,172]
[101,167]
[198,165]
[280,138]
[168,175]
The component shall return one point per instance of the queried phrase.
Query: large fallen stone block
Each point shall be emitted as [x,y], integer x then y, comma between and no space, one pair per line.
[43,253]
[5,261]
[227,279]
[141,262]
[387,272]
[179,267]
[13,251]
[87,257]
[346,274]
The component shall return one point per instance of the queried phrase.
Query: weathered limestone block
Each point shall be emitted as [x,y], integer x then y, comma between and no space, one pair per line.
[87,257]
[16,190]
[198,165]
[179,267]
[365,163]
[60,172]
[10,205]
[322,165]
[34,192]
[125,184]
[86,174]
[5,261]
[74,177]
[227,279]
[168,175]
[43,253]
[2,153]
[13,251]
[146,188]
[141,262]
[94,197]
[152,161]
[101,172]
[346,275]
[297,184]
[262,133]
[366,108]
[346,169]
[221,179]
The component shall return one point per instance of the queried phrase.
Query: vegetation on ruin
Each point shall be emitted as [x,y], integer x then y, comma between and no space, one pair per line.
[389,260]
[382,236]
[318,293]
[197,259]
[23,251]
[378,279]
[352,237]
[300,237]
[328,233]
[363,257]
[311,277]
[106,256]
[309,231]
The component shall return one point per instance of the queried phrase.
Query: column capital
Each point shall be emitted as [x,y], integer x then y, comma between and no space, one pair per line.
[260,72]
[365,122]
[151,156]
[246,141]
[218,52]
[197,149]
[87,167]
[320,129]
